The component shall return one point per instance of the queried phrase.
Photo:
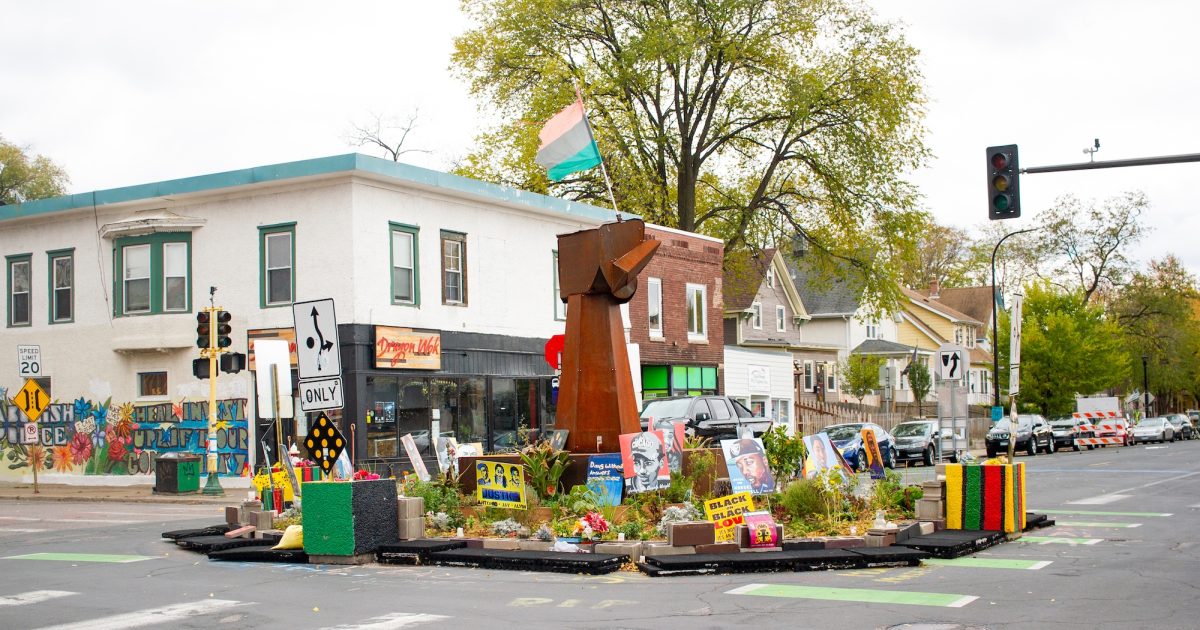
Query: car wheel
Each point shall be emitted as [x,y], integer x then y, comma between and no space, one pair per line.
[991,452]
[862,461]
[890,462]
[1051,446]
[1031,449]
[929,456]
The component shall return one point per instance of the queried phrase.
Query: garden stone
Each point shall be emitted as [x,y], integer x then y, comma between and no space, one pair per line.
[690,534]
[534,545]
[633,549]
[662,549]
[506,544]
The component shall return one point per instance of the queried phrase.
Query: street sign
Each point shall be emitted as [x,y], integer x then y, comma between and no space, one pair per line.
[273,357]
[29,433]
[31,399]
[325,442]
[952,362]
[29,361]
[321,394]
[318,353]
[1014,347]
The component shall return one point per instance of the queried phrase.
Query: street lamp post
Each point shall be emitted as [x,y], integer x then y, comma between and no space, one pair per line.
[1145,388]
[995,319]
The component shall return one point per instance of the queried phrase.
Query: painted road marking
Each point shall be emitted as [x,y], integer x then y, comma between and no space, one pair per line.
[1100,500]
[989,563]
[391,620]
[32,597]
[151,616]
[1051,540]
[1095,524]
[20,530]
[68,520]
[79,557]
[914,598]
[1093,513]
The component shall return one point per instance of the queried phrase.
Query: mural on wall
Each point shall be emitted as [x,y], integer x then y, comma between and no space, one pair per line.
[85,437]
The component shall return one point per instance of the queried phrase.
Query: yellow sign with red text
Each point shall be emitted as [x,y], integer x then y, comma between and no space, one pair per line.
[727,512]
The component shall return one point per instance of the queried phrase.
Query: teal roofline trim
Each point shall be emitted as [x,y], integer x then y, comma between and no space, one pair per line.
[347,163]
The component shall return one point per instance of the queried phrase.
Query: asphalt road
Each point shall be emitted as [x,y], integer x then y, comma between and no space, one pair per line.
[1124,554]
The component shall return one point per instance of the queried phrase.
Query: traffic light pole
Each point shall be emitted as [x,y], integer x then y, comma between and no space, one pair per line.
[1084,166]
[213,485]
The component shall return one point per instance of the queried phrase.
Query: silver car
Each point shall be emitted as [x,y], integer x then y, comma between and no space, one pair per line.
[1153,430]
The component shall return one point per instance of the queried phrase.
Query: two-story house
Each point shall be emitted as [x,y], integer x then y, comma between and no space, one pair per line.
[445,291]
[927,323]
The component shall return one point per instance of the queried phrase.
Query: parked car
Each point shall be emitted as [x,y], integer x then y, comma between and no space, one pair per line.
[1153,430]
[1183,426]
[1033,434]
[847,438]
[1194,416]
[922,440]
[713,417]
[1114,428]
[1067,430]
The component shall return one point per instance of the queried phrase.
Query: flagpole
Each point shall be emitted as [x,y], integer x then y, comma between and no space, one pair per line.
[603,169]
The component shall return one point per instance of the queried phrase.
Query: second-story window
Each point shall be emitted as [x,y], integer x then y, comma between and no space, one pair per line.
[696,313]
[756,316]
[279,263]
[770,276]
[136,275]
[454,268]
[19,284]
[780,318]
[175,284]
[872,330]
[654,306]
[155,272]
[62,286]
[405,276]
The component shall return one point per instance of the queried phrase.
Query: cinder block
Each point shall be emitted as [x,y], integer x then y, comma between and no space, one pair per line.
[505,544]
[844,542]
[760,549]
[931,509]
[908,530]
[534,545]
[874,540]
[659,549]
[410,507]
[926,528]
[933,489]
[633,549]
[262,520]
[886,537]
[241,532]
[939,525]
[742,535]
[721,547]
[691,534]
[940,471]
[233,515]
[474,543]
[267,533]
[410,528]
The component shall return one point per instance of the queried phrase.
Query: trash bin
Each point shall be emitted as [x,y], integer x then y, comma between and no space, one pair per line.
[176,473]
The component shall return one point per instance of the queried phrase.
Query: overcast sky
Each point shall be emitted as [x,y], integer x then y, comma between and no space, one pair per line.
[123,93]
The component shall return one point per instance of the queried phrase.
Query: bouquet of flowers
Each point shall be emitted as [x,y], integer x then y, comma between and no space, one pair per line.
[363,475]
[591,525]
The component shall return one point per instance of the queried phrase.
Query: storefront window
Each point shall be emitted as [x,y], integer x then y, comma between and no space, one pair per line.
[383,440]
[512,402]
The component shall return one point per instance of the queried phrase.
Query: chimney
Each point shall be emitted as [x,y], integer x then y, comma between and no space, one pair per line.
[934,289]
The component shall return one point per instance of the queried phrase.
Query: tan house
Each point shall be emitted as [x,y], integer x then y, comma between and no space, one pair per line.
[927,323]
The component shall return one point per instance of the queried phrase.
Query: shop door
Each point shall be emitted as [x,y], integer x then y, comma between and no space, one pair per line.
[514,403]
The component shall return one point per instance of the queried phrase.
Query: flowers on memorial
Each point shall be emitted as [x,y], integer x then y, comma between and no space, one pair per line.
[591,526]
[363,475]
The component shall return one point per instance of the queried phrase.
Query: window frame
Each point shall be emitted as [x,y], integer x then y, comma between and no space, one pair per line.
[414,233]
[142,395]
[448,236]
[702,316]
[809,375]
[264,275]
[560,307]
[780,318]
[653,304]
[165,277]
[11,262]
[872,330]
[831,380]
[157,278]
[756,316]
[52,257]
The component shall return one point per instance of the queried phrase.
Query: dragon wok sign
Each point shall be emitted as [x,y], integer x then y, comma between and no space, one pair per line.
[407,349]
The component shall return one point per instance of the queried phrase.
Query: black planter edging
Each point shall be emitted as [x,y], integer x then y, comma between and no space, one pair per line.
[894,556]
[213,530]
[591,563]
[954,543]
[414,551]
[260,553]
[205,544]
[799,560]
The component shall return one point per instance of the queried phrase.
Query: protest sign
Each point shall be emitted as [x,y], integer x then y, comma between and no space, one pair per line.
[727,512]
[604,477]
[499,484]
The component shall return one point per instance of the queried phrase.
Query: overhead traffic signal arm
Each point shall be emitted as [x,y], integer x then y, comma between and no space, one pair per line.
[1003,171]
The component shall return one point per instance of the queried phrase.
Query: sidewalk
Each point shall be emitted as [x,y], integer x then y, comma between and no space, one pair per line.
[140,493]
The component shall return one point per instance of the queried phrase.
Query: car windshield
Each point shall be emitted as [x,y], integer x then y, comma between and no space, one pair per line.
[1062,423]
[666,408]
[1151,422]
[909,429]
[1174,420]
[839,432]
[1003,425]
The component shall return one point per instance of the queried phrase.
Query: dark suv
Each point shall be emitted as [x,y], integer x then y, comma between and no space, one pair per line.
[1033,434]
[714,417]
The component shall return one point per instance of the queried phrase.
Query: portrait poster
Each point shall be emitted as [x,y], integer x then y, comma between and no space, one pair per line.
[447,454]
[644,461]
[727,512]
[470,449]
[499,484]
[762,530]
[558,439]
[874,459]
[414,456]
[604,477]
[673,437]
[821,456]
[747,463]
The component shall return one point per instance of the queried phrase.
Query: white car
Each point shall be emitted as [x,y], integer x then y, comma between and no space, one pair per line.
[1153,430]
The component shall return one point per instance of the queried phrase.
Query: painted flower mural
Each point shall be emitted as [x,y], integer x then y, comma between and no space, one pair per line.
[62,459]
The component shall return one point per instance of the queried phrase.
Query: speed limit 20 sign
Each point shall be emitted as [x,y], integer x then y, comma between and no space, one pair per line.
[29,361]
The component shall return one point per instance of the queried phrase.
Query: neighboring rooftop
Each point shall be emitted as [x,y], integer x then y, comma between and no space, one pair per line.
[824,297]
[938,306]
[975,302]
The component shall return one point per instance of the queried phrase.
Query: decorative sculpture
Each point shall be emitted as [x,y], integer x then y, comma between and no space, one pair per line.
[597,272]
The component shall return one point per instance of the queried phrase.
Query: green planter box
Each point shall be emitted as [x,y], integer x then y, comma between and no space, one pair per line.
[347,518]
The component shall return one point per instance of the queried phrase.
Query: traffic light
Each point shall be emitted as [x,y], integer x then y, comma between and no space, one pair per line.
[223,329]
[233,362]
[203,330]
[200,368]
[1004,194]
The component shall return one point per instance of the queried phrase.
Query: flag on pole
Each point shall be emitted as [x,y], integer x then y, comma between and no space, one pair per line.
[567,145]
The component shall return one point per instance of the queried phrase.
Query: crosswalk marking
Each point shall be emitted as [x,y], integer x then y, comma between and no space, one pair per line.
[1097,524]
[1095,513]
[389,621]
[1100,500]
[20,530]
[70,520]
[151,616]
[1051,540]
[79,557]
[874,596]
[32,597]
[989,563]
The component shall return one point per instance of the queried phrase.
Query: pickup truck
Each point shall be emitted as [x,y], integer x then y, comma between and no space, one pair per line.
[713,417]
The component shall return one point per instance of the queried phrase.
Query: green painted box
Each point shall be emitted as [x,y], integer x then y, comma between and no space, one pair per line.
[176,473]
[346,518]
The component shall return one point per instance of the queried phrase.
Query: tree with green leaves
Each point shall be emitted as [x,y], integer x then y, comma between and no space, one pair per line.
[920,382]
[750,120]
[942,255]
[1068,348]
[25,177]
[861,375]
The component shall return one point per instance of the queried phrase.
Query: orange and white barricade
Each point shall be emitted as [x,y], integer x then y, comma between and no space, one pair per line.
[1101,422]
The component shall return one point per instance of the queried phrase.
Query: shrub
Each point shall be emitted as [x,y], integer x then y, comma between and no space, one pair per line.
[545,467]
[676,514]
[785,453]
[507,527]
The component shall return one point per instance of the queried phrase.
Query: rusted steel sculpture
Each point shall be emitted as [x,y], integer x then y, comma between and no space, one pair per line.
[597,272]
